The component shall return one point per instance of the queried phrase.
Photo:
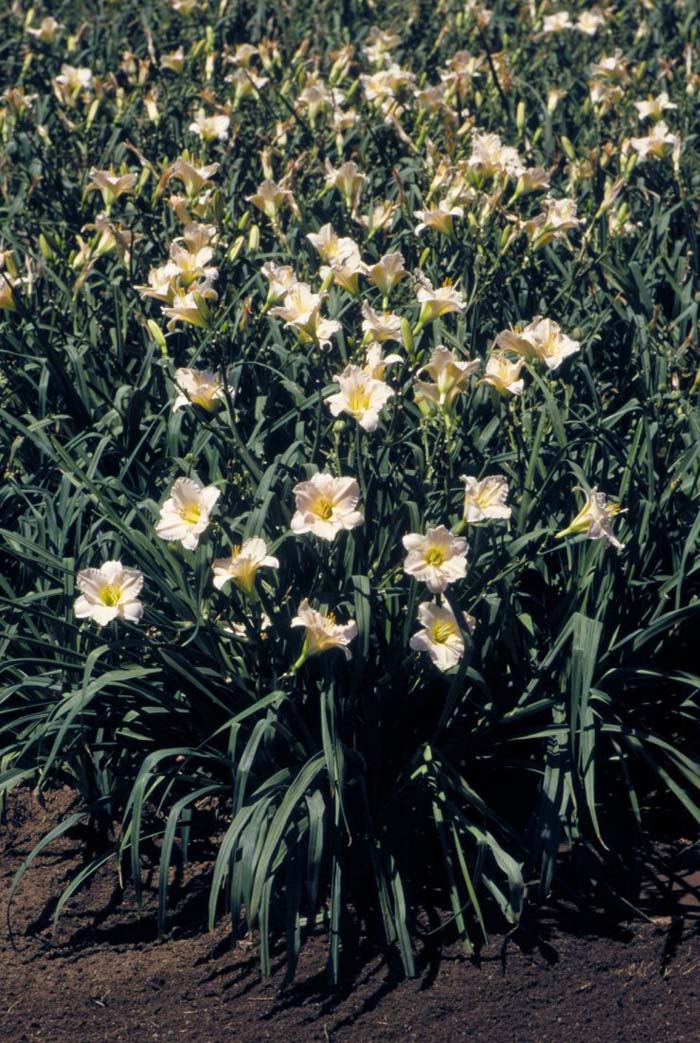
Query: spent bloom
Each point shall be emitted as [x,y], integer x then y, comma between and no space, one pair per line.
[110,592]
[243,564]
[326,506]
[485,499]
[186,513]
[436,559]
[594,519]
[199,387]
[441,636]
[322,632]
[360,395]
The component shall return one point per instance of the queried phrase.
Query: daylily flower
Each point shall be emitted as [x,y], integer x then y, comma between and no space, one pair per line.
[110,592]
[376,362]
[439,218]
[589,22]
[186,513]
[558,218]
[490,157]
[326,506]
[654,108]
[503,374]
[555,23]
[450,375]
[281,278]
[190,305]
[48,31]
[332,248]
[198,387]
[348,179]
[210,128]
[301,309]
[175,60]
[441,636]
[160,283]
[436,559]
[380,327]
[322,632]
[541,340]
[361,396]
[193,178]
[485,499]
[270,197]
[437,301]
[243,565]
[70,82]
[657,143]
[388,270]
[111,185]
[594,519]
[379,216]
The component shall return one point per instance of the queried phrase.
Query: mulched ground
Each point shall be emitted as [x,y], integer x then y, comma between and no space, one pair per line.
[101,978]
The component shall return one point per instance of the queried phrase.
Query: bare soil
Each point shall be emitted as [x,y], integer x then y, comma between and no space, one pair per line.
[102,978]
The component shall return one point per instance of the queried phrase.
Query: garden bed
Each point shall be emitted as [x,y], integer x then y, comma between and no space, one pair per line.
[103,978]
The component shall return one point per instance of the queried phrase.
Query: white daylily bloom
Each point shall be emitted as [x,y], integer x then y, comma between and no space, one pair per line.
[111,185]
[388,270]
[360,395]
[436,559]
[193,178]
[657,143]
[301,309]
[594,519]
[186,513]
[439,218]
[654,108]
[441,636]
[281,278]
[503,374]
[450,377]
[200,387]
[376,362]
[485,499]
[437,300]
[110,592]
[243,564]
[542,339]
[326,506]
[322,632]
[380,327]
[210,128]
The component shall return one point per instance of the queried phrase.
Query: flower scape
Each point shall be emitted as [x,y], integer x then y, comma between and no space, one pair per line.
[351,445]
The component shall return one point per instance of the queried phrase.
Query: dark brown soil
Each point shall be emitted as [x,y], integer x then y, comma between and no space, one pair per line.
[101,978]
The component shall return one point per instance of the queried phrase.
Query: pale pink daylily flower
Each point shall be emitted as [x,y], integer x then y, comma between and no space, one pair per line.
[326,506]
